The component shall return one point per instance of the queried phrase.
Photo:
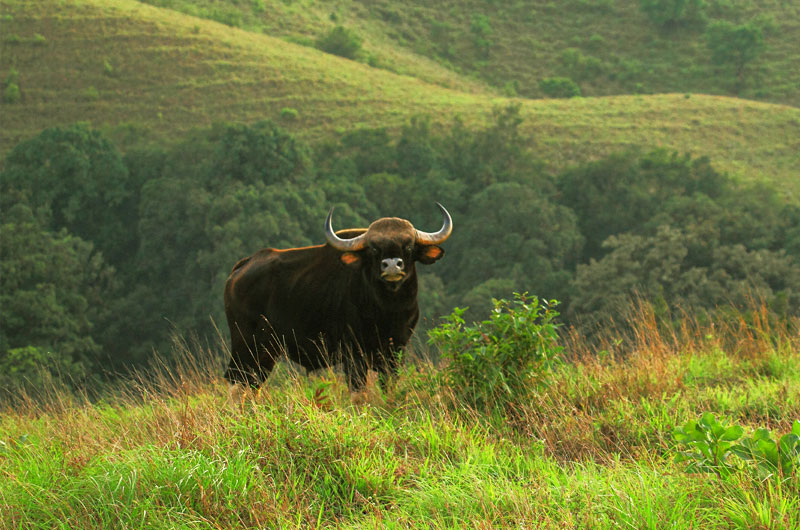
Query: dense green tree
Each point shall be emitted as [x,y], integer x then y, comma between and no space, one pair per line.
[371,151]
[514,237]
[257,153]
[75,178]
[342,42]
[481,31]
[498,153]
[681,268]
[53,291]
[560,87]
[415,152]
[670,14]
[623,191]
[735,47]
[251,190]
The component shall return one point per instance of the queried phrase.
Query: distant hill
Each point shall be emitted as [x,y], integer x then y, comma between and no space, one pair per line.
[151,74]
[608,47]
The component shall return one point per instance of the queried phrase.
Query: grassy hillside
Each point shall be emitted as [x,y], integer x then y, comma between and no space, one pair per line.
[593,450]
[139,71]
[607,46]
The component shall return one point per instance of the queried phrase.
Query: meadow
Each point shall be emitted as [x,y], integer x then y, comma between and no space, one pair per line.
[593,448]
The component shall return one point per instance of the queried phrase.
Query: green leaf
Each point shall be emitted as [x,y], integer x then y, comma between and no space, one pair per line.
[732,433]
[761,434]
[707,420]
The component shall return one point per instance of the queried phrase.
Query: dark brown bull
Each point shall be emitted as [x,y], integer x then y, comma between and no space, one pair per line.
[352,300]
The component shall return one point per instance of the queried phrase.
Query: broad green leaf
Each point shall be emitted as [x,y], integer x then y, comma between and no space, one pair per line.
[732,433]
[761,434]
[708,420]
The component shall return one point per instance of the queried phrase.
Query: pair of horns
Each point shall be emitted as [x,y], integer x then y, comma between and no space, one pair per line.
[359,242]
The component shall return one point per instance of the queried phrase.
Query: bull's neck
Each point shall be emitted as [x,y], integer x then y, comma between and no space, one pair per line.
[402,299]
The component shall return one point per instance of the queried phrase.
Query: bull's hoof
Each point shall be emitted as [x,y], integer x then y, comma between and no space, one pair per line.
[360,397]
[239,394]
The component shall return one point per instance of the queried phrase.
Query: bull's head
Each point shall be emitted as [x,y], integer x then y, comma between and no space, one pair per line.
[390,247]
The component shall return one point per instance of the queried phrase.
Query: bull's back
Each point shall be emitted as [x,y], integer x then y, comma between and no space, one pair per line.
[292,289]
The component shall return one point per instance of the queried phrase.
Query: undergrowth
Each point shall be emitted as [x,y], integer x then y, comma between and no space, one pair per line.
[593,447]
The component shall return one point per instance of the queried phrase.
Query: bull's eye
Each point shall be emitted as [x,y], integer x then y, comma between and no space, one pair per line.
[408,249]
[373,251]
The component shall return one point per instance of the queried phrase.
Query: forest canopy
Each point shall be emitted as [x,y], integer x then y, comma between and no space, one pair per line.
[105,255]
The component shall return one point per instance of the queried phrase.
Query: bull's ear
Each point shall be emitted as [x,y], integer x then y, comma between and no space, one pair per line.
[351,259]
[428,254]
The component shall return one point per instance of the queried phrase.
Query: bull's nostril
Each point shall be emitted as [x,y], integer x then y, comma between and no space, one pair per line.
[399,263]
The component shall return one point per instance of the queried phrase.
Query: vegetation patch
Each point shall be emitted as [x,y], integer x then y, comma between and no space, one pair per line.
[594,445]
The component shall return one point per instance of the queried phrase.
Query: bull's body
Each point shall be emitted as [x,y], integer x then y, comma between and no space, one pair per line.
[322,305]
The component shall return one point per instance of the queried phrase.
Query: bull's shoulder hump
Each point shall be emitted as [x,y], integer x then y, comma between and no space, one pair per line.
[277,258]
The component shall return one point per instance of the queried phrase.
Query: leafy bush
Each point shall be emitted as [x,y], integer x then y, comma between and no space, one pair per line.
[11,92]
[289,114]
[342,42]
[481,31]
[583,66]
[496,363]
[735,47]
[560,87]
[442,38]
[710,446]
[673,13]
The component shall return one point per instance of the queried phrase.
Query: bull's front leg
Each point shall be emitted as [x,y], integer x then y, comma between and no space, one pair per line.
[388,363]
[355,369]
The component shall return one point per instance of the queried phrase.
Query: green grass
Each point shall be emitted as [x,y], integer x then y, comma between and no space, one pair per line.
[148,74]
[623,52]
[594,450]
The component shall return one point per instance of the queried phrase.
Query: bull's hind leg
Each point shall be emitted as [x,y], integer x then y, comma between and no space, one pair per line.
[250,363]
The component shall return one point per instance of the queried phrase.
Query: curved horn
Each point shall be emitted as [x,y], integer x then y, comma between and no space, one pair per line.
[345,245]
[427,238]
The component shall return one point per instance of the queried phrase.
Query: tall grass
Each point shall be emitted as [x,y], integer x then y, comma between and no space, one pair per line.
[591,449]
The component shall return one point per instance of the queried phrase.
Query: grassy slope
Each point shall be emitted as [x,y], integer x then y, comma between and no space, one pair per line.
[529,38]
[626,52]
[592,451]
[129,67]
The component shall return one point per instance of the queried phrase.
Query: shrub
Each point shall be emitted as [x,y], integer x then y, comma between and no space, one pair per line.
[442,38]
[710,446]
[288,114]
[560,87]
[583,66]
[735,47]
[495,364]
[340,41]
[670,14]
[11,93]
[481,31]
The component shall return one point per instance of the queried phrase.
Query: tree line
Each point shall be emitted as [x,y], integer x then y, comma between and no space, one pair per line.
[106,254]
